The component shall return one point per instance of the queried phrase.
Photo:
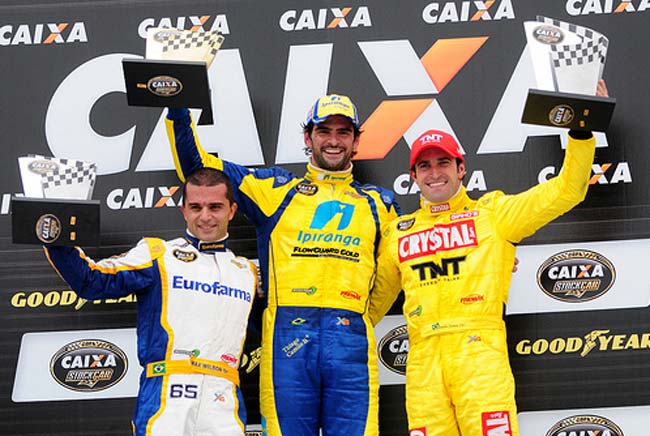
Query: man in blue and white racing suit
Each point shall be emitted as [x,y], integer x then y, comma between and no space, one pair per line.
[194,298]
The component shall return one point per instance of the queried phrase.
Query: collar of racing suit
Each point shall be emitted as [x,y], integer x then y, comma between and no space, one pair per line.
[458,202]
[318,175]
[207,247]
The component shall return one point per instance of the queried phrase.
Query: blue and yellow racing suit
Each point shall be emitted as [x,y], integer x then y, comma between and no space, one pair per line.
[455,261]
[316,239]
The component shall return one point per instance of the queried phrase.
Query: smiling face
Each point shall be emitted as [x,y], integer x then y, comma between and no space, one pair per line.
[438,175]
[207,211]
[332,143]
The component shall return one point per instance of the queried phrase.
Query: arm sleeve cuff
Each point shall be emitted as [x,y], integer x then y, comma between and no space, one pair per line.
[177,114]
[578,134]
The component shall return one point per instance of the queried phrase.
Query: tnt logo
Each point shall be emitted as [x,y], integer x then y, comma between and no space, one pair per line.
[496,424]
[326,212]
[434,137]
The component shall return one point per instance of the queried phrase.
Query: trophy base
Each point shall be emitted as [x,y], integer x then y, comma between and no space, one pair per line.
[42,221]
[571,111]
[160,83]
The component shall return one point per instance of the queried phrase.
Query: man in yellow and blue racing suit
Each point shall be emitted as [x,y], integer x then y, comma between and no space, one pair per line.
[454,256]
[316,236]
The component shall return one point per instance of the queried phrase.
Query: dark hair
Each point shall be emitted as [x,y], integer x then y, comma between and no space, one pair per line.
[209,177]
[309,127]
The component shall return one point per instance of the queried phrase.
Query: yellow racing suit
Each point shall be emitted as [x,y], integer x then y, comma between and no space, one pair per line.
[455,262]
[316,237]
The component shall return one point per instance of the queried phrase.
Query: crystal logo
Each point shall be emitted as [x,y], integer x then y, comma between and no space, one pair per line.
[585,425]
[393,349]
[333,18]
[576,276]
[442,237]
[89,365]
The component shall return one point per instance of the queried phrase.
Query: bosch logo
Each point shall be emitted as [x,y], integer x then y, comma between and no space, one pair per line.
[393,349]
[89,365]
[576,276]
[585,424]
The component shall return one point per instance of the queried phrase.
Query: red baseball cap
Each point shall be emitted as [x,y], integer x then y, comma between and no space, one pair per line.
[435,139]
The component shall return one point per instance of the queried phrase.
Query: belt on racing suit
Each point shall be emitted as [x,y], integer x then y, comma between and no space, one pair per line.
[192,366]
[460,324]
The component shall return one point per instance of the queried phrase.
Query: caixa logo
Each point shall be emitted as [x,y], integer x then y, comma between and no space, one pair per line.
[192,23]
[37,34]
[89,365]
[576,276]
[143,198]
[602,174]
[454,12]
[393,349]
[585,425]
[599,7]
[333,18]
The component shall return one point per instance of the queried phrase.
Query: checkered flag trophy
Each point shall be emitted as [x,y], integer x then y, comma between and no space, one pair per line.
[568,61]
[56,207]
[174,72]
[183,45]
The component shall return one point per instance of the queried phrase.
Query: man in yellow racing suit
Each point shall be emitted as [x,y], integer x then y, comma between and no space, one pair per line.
[454,256]
[316,236]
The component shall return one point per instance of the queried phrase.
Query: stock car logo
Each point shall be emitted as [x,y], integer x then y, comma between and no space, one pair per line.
[184,256]
[548,34]
[163,35]
[306,188]
[89,365]
[164,86]
[48,228]
[393,349]
[42,166]
[561,115]
[585,424]
[576,276]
